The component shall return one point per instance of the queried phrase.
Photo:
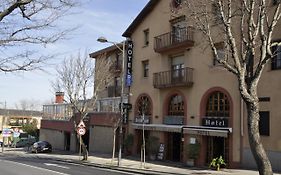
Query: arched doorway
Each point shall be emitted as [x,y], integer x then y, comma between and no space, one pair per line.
[175,116]
[143,115]
[216,112]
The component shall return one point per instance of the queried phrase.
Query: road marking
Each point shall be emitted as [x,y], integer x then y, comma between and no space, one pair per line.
[116,170]
[56,165]
[39,168]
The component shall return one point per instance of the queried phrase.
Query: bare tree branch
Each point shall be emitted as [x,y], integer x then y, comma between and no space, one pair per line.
[250,48]
[24,23]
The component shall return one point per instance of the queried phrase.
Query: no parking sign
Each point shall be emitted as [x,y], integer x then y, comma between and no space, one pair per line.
[81,131]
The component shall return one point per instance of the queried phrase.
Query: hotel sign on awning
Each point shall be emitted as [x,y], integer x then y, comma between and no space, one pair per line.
[215,121]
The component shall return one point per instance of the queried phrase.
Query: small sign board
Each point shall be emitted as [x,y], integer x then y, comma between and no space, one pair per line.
[81,131]
[81,124]
[6,132]
[160,155]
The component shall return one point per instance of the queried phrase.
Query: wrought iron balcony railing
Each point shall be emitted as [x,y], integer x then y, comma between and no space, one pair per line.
[173,78]
[180,38]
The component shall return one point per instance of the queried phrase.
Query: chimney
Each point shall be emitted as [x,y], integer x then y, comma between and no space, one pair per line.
[59,97]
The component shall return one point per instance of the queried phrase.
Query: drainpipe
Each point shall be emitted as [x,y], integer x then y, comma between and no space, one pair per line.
[241,128]
[241,117]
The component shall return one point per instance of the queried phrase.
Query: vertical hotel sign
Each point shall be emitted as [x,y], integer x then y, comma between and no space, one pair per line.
[129,62]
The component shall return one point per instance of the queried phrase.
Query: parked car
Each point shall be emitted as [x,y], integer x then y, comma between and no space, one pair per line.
[41,146]
[24,142]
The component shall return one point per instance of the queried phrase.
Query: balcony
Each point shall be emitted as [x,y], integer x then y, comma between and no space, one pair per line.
[109,104]
[181,38]
[173,78]
[57,112]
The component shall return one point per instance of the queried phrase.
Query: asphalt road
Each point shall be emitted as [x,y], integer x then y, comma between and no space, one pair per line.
[14,165]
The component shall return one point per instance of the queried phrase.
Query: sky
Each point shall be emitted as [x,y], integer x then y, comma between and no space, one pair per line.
[95,18]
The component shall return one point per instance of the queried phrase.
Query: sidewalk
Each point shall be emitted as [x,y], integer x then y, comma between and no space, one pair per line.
[130,164]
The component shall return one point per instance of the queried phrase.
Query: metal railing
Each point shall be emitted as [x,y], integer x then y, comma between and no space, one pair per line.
[170,39]
[178,77]
[65,111]
[57,112]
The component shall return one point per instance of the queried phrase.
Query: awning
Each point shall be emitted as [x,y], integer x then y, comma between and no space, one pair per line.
[207,131]
[158,127]
[185,129]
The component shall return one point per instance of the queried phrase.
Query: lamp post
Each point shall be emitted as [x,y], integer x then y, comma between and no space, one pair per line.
[3,120]
[104,40]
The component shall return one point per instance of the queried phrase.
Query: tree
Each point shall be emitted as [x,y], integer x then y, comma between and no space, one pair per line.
[31,128]
[27,24]
[28,104]
[75,77]
[246,28]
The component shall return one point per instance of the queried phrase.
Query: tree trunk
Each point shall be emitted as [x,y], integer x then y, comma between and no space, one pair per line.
[258,151]
[85,152]
[114,143]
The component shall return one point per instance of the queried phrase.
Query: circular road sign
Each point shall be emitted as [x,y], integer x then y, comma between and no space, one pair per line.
[81,131]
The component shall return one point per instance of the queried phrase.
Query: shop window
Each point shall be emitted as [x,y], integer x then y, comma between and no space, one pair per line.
[177,68]
[264,124]
[145,65]
[146,37]
[220,52]
[276,59]
[217,105]
[176,106]
[179,30]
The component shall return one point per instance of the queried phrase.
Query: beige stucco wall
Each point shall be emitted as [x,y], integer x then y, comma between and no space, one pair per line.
[54,137]
[270,86]
[206,76]
[101,139]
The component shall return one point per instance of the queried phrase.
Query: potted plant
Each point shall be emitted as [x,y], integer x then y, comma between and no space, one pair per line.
[193,150]
[153,146]
[128,143]
[217,163]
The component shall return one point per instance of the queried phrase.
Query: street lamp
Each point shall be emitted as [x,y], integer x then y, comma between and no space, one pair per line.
[104,40]
[3,120]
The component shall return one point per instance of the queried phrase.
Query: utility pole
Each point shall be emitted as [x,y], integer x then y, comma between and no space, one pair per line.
[3,120]
[104,40]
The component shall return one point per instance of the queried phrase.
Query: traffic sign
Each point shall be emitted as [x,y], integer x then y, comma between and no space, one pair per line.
[81,124]
[81,131]
[6,132]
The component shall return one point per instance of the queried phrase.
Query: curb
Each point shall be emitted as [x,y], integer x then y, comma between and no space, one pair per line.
[137,170]
[114,167]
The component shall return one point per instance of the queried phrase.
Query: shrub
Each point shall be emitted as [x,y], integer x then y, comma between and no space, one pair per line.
[217,163]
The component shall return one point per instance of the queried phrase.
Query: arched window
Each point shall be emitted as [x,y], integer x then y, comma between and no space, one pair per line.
[217,105]
[144,105]
[176,106]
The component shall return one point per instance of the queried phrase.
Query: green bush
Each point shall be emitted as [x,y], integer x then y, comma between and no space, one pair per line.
[217,163]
